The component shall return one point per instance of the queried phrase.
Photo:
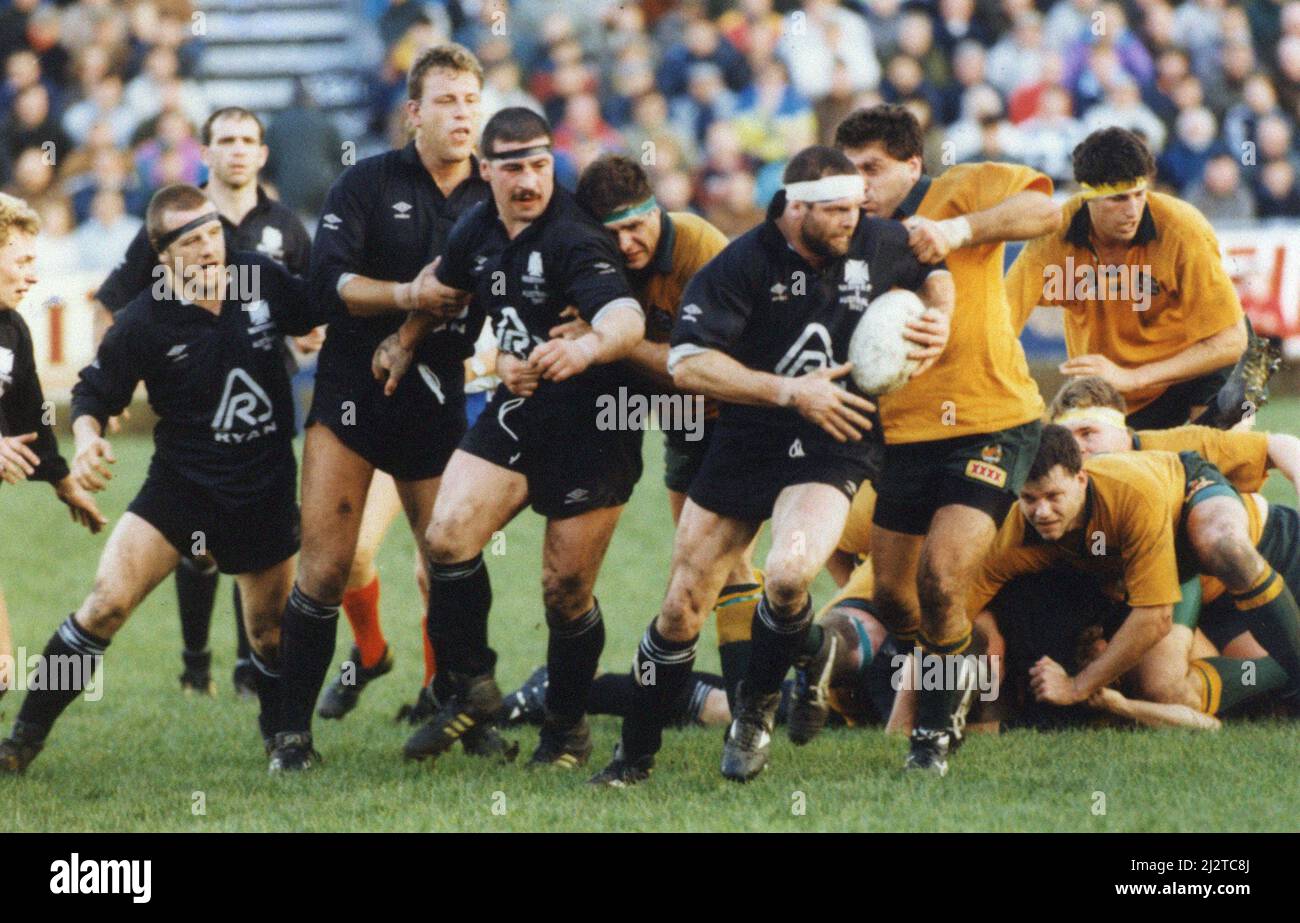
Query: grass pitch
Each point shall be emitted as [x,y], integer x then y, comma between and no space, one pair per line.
[144,758]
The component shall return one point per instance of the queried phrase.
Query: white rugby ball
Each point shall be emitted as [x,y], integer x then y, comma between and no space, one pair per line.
[878,349]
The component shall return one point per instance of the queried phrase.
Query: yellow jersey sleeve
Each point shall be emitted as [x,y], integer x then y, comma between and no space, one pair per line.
[1242,457]
[1212,304]
[1148,551]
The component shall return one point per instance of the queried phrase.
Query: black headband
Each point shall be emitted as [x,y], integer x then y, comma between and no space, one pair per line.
[521,153]
[166,240]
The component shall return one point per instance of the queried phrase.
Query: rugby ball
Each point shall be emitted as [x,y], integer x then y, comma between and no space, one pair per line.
[878,349]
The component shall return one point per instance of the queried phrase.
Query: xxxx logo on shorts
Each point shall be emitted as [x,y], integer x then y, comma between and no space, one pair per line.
[989,474]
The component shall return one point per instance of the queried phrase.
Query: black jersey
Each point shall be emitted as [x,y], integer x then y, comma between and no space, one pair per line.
[217,382]
[564,258]
[768,308]
[271,229]
[22,404]
[385,218]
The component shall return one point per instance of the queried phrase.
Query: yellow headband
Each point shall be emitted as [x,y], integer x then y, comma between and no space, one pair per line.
[1105,189]
[1108,415]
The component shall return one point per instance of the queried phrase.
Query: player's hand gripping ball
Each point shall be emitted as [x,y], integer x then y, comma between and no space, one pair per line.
[879,348]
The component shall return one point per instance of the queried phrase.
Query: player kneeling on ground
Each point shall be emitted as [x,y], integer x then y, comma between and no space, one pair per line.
[223,475]
[765,328]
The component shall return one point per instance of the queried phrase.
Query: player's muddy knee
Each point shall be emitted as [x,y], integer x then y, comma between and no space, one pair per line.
[567,595]
[1230,557]
[897,612]
[324,581]
[681,617]
[786,593]
[104,612]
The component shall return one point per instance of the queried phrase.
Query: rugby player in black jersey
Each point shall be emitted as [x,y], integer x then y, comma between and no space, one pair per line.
[385,220]
[527,253]
[222,477]
[234,153]
[765,328]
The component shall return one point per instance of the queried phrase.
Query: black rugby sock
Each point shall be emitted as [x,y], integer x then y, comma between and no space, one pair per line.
[269,694]
[307,634]
[776,642]
[460,598]
[611,694]
[572,655]
[196,589]
[68,662]
[660,672]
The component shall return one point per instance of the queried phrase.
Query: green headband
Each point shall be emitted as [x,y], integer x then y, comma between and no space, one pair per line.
[630,212]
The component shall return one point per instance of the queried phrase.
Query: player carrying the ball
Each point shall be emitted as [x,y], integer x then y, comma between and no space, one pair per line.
[958,445]
[765,329]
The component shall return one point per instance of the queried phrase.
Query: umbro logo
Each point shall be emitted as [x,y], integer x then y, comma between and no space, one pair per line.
[402,210]
[332,222]
[780,292]
[577,496]
[177,352]
[691,313]
[796,449]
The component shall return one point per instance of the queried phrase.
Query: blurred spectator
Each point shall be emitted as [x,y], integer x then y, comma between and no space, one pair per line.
[751,26]
[1024,102]
[105,102]
[773,120]
[146,94]
[1017,58]
[883,21]
[1198,27]
[1276,194]
[821,36]
[653,130]
[736,210]
[32,175]
[1172,67]
[1123,106]
[13,26]
[1050,136]
[306,152]
[503,88]
[673,190]
[22,70]
[1066,21]
[968,70]
[102,239]
[56,250]
[1196,141]
[173,155]
[401,15]
[1220,195]
[1288,74]
[956,23]
[1225,86]
[1259,100]
[916,39]
[31,124]
[1108,33]
[702,44]
[633,76]
[708,100]
[584,127]
[110,169]
[1274,141]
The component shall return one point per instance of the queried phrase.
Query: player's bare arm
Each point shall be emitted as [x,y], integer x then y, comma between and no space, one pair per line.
[815,395]
[1201,358]
[1144,626]
[1023,216]
[616,330]
[647,357]
[1284,455]
[17,461]
[366,297]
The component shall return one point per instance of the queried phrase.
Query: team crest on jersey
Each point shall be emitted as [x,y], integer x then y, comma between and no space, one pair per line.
[260,324]
[534,276]
[272,243]
[810,352]
[245,412]
[991,454]
[989,474]
[6,368]
[855,290]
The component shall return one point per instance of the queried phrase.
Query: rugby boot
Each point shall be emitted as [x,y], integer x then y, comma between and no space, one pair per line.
[340,697]
[749,739]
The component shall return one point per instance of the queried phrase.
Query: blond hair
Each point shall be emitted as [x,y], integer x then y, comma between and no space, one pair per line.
[16,215]
[1080,393]
[450,56]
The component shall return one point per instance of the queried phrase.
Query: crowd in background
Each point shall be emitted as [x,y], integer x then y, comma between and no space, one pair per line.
[100,105]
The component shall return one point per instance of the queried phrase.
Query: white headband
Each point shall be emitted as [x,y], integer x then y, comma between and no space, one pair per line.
[826,189]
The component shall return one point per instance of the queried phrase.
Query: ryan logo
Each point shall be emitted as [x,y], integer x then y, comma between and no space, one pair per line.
[989,474]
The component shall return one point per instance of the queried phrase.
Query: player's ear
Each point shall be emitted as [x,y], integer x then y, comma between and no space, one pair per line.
[263,153]
[483,169]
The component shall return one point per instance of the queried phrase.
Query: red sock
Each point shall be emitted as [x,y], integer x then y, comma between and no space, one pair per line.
[430,663]
[362,609]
